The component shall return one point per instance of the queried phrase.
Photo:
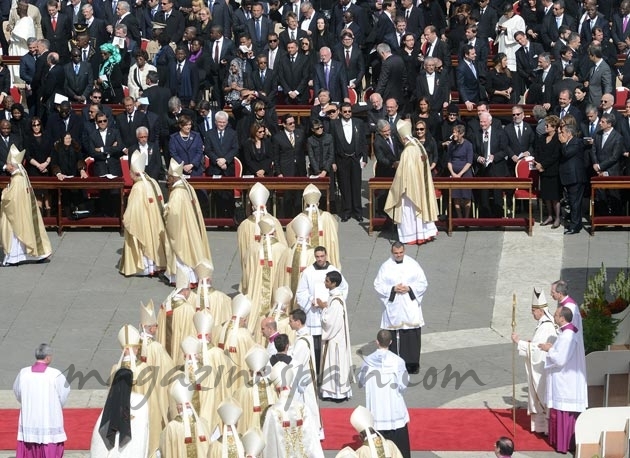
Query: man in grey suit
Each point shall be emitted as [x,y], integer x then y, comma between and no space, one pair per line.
[608,147]
[599,79]
[79,78]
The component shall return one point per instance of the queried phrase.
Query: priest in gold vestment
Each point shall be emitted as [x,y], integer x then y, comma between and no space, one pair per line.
[22,233]
[374,445]
[229,444]
[411,202]
[184,225]
[216,302]
[144,250]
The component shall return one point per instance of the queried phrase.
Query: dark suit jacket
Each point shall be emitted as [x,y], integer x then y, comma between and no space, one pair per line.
[108,160]
[414,20]
[189,152]
[56,126]
[441,51]
[572,169]
[617,32]
[392,82]
[384,27]
[294,77]
[238,22]
[222,15]
[373,116]
[289,161]
[441,90]
[542,91]
[187,87]
[14,139]
[158,99]
[355,69]
[78,85]
[501,150]
[608,157]
[526,64]
[128,131]
[471,88]
[486,28]
[59,37]
[526,143]
[385,158]
[337,81]
[360,17]
[174,24]
[549,33]
[267,90]
[226,149]
[133,28]
[482,49]
[266,26]
[358,147]
[52,84]
[253,162]
[586,33]
[285,37]
[573,110]
[154,167]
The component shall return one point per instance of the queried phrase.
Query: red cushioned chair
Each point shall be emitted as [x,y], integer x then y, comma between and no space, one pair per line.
[523,170]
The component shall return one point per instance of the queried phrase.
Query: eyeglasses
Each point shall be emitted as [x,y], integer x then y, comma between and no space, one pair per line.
[452,114]
[318,127]
[346,111]
[272,41]
[36,124]
[102,121]
[290,123]
[516,114]
[260,131]
[97,97]
[304,44]
[262,62]
[260,109]
[420,129]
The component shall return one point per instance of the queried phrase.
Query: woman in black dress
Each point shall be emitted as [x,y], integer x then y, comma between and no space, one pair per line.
[547,152]
[38,146]
[423,112]
[430,146]
[20,123]
[323,36]
[460,154]
[257,153]
[499,80]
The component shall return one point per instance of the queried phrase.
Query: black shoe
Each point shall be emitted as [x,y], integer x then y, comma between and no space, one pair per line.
[358,218]
[344,219]
[572,231]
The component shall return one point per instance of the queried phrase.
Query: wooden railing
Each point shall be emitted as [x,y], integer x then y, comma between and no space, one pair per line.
[608,183]
[448,184]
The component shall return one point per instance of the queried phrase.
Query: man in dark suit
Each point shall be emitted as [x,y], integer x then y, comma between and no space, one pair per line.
[241,16]
[95,27]
[432,85]
[350,157]
[594,19]
[289,159]
[309,14]
[387,149]
[385,24]
[154,166]
[90,51]
[7,139]
[79,78]
[51,84]
[74,12]
[551,24]
[359,14]
[222,50]
[273,51]
[205,117]
[221,147]
[264,82]
[619,32]
[413,15]
[395,39]
[123,11]
[488,18]
[470,79]
[173,19]
[573,174]
[606,153]
[41,69]
[434,47]
[349,54]
[63,121]
[392,115]
[392,81]
[376,111]
[158,96]
[293,75]
[330,74]
[128,122]
[564,107]
[106,154]
[521,139]
[480,44]
[222,16]
[541,90]
[608,107]
[57,29]
[292,32]
[491,155]
[258,27]
[526,61]
[184,78]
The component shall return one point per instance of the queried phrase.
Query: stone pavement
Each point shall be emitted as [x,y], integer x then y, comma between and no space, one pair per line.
[79,301]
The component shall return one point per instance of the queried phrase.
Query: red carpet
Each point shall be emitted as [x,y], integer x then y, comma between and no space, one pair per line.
[429,429]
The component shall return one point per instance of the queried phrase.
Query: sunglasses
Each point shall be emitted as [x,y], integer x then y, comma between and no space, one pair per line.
[318,127]
[516,114]
[36,124]
[102,121]
[289,123]
[420,130]
[346,111]
[272,41]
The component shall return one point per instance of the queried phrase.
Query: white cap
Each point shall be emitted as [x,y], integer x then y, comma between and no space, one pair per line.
[283,295]
[190,346]
[181,280]
[281,375]
[258,195]
[253,441]
[203,321]
[403,127]
[60,98]
[311,195]
[175,169]
[229,411]
[267,225]
[257,359]
[241,306]
[204,269]
[147,314]
[180,392]
[128,336]
[302,226]
[138,162]
[361,419]
[15,156]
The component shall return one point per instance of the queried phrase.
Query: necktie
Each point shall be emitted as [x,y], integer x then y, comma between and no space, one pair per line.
[429,49]
[526,51]
[407,14]
[486,143]
[563,113]
[262,77]
[483,10]
[592,131]
[391,120]
[258,29]
[221,136]
[54,23]
[153,11]
[179,69]
[558,22]
[604,138]
[291,139]
[292,35]
[391,145]
[114,3]
[292,59]
[625,23]
[327,74]
[6,140]
[76,69]
[207,123]
[216,51]
[347,58]
[85,55]
[518,132]
[130,119]
[473,69]
[166,16]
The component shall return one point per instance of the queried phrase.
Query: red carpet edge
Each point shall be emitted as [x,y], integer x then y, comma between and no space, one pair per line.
[429,429]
